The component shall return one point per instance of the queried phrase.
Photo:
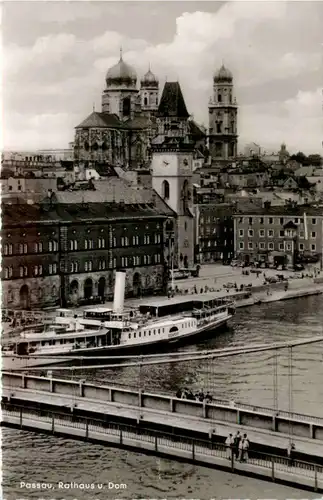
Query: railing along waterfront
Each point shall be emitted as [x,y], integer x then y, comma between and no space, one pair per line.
[302,473]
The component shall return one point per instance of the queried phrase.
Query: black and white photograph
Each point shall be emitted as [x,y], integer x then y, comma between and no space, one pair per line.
[162,250]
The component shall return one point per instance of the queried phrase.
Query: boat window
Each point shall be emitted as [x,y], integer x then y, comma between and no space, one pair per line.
[158,330]
[145,333]
[135,334]
[163,330]
[43,343]
[139,334]
[129,336]
[61,341]
[173,329]
[149,332]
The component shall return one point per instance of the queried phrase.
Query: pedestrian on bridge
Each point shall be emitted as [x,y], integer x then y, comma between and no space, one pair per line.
[229,445]
[237,439]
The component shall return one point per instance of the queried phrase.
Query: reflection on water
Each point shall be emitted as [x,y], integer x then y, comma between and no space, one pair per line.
[248,378]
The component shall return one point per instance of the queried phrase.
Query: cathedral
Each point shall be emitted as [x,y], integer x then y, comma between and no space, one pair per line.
[138,129]
[120,134]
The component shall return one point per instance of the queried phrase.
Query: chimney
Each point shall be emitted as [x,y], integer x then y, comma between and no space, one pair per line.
[119,291]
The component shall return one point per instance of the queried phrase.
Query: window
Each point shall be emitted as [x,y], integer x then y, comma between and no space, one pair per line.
[74,267]
[250,221]
[241,245]
[52,268]
[313,222]
[261,220]
[38,270]
[73,244]
[158,238]
[313,247]
[135,240]
[165,190]
[288,246]
[313,234]
[8,272]
[23,248]
[262,245]
[281,233]
[270,233]
[301,246]
[281,246]
[102,264]
[241,232]
[157,258]
[124,261]
[288,233]
[88,244]
[146,239]
[296,220]
[136,260]
[301,234]
[101,243]
[270,220]
[114,262]
[88,265]
[270,246]
[250,245]
[281,221]
[8,249]
[52,246]
[23,271]
[38,247]
[261,233]
[250,232]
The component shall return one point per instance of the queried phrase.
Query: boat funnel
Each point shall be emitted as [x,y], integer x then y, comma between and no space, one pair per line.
[119,291]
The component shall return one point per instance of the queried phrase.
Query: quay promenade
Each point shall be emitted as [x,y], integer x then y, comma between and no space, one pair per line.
[265,427]
[305,475]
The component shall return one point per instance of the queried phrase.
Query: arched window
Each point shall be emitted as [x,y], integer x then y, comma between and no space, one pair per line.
[173,329]
[166,190]
[145,101]
[126,105]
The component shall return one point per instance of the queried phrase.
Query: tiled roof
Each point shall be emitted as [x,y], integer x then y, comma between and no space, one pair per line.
[195,130]
[297,210]
[139,122]
[172,102]
[102,120]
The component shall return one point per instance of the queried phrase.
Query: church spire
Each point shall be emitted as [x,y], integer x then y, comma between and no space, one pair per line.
[120,53]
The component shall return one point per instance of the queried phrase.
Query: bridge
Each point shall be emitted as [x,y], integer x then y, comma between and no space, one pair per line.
[166,425]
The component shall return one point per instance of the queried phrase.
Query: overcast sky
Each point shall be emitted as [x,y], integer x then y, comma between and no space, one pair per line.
[56,55]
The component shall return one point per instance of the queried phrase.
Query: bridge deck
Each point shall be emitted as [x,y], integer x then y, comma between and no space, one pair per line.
[259,436]
[273,468]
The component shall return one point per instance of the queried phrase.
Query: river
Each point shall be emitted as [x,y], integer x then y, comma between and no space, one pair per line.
[282,380]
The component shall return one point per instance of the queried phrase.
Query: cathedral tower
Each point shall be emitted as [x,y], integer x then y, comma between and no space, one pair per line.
[223,137]
[149,88]
[121,95]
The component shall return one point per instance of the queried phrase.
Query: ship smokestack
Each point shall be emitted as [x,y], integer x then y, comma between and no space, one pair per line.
[119,291]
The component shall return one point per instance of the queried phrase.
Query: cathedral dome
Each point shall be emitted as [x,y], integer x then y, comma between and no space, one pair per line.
[223,75]
[121,74]
[149,79]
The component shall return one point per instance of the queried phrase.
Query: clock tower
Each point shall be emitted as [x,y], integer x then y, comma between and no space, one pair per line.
[172,180]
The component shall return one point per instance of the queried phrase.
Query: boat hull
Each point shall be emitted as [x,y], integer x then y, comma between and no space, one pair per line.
[11,363]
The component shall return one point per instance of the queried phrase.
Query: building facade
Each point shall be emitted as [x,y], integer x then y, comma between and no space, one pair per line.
[223,111]
[279,235]
[214,232]
[67,254]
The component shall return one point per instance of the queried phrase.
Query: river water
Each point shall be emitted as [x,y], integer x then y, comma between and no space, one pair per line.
[290,381]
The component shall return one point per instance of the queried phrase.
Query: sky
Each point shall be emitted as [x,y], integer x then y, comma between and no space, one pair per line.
[55,56]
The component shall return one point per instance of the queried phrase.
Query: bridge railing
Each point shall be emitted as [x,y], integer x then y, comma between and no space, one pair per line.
[161,442]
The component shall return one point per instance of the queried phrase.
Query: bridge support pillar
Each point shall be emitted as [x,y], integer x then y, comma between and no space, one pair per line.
[274,423]
[110,396]
[171,405]
[312,431]
[81,388]
[238,417]
[204,409]
[23,381]
[140,398]
[51,385]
